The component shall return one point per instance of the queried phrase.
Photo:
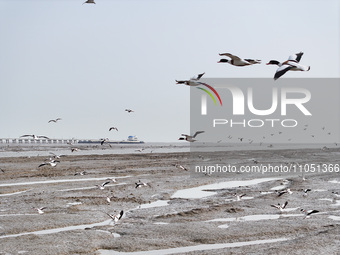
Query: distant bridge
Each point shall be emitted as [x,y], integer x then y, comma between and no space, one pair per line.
[37,141]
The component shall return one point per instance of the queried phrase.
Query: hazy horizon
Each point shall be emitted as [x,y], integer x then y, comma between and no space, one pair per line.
[88,63]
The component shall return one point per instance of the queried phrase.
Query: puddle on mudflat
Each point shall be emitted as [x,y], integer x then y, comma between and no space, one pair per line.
[157,203]
[256,217]
[201,191]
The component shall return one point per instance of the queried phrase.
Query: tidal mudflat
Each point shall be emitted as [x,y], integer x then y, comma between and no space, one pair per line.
[176,213]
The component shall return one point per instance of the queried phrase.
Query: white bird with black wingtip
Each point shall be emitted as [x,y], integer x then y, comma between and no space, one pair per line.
[285,191]
[102,186]
[52,163]
[116,217]
[280,207]
[307,213]
[40,210]
[190,138]
[36,137]
[140,184]
[238,197]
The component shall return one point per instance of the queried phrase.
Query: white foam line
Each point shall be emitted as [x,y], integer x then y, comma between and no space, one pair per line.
[201,247]
[280,187]
[92,187]
[319,190]
[326,199]
[57,230]
[17,214]
[334,217]
[15,193]
[59,181]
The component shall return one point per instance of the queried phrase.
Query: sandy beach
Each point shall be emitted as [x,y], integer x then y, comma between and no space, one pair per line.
[177,213]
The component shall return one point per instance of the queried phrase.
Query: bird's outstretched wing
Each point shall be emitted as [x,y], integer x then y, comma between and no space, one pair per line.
[276,206]
[105,183]
[198,132]
[281,71]
[230,55]
[296,57]
[120,215]
[41,136]
[199,76]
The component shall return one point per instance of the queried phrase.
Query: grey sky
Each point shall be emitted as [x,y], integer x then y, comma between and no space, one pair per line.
[87,63]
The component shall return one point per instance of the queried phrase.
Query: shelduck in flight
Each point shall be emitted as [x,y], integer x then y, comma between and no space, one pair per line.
[292,64]
[236,61]
[194,81]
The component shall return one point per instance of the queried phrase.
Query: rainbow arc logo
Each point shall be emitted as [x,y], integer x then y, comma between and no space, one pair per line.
[209,93]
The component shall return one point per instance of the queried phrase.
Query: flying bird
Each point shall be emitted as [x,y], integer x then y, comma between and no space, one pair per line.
[181,167]
[307,213]
[52,163]
[55,155]
[238,197]
[35,137]
[194,81]
[40,210]
[112,128]
[129,110]
[103,140]
[190,138]
[102,186]
[81,173]
[280,207]
[111,180]
[281,192]
[89,2]
[292,64]
[336,194]
[236,61]
[305,191]
[140,184]
[56,120]
[116,217]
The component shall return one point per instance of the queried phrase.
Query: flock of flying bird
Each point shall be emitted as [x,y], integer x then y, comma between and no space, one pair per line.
[282,207]
[115,217]
[52,161]
[292,64]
